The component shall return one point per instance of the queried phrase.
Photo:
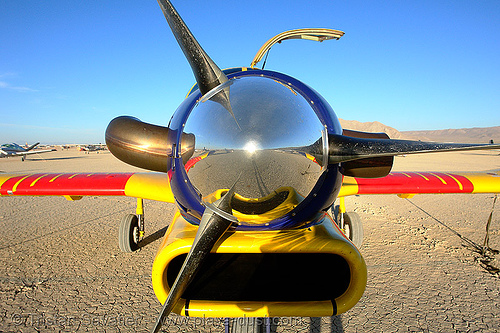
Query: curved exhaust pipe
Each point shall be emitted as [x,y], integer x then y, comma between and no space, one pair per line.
[145,145]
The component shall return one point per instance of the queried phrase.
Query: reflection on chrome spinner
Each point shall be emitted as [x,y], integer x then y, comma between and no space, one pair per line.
[256,139]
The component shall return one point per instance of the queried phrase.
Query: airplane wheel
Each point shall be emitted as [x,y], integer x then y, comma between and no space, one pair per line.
[353,228]
[128,234]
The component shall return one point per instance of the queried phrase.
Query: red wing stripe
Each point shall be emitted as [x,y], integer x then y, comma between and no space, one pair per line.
[412,182]
[66,184]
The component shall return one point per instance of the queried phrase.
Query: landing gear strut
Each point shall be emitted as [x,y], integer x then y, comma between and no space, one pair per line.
[349,222]
[131,229]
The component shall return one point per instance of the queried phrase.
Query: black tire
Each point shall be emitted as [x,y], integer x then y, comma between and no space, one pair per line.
[353,228]
[247,325]
[128,234]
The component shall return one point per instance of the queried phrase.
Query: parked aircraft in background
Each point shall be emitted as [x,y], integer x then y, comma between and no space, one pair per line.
[13,149]
[89,148]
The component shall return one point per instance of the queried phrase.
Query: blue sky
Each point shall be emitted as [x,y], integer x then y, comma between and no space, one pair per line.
[68,67]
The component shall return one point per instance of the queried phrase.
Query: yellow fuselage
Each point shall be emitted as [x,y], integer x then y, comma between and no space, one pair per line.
[306,272]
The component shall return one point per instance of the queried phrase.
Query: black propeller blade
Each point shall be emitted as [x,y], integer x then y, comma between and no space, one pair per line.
[208,75]
[344,148]
[215,221]
[370,155]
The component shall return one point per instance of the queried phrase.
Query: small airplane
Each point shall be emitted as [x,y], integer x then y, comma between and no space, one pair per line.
[254,160]
[90,148]
[13,149]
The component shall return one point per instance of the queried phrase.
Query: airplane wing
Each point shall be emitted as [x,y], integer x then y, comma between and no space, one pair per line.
[156,185]
[73,186]
[31,152]
[407,184]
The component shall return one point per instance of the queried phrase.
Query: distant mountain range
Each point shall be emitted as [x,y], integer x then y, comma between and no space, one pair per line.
[465,135]
[374,126]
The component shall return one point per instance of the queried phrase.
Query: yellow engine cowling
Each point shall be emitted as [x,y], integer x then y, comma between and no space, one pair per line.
[305,272]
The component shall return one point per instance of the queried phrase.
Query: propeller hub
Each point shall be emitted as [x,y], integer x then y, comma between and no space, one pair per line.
[256,125]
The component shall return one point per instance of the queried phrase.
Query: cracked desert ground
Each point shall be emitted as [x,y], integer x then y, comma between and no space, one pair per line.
[61,268]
